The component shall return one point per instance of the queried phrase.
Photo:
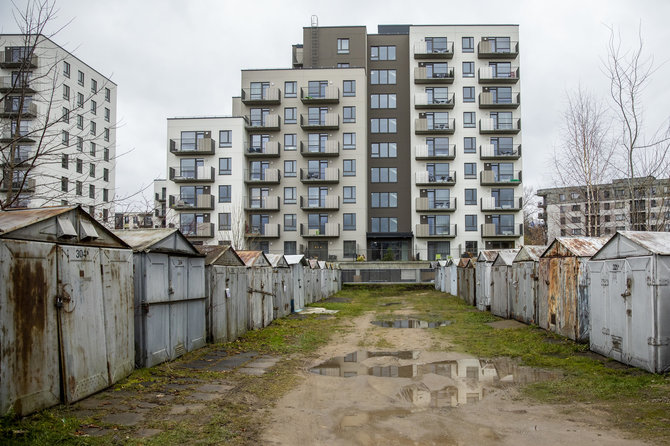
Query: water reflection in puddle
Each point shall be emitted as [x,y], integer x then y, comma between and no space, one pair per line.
[446,383]
[410,323]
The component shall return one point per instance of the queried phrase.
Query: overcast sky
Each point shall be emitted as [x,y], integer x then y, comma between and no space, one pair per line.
[183,58]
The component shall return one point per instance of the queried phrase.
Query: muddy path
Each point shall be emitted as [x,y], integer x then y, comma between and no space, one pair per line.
[406,386]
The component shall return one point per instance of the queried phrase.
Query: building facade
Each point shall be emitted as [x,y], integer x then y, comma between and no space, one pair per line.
[404,144]
[57,125]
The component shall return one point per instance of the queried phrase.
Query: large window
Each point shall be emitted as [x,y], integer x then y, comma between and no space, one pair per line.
[384,199]
[438,250]
[349,88]
[225,166]
[290,248]
[383,125]
[290,115]
[349,249]
[342,46]
[290,222]
[224,221]
[470,222]
[290,168]
[290,141]
[290,89]
[225,138]
[383,150]
[384,224]
[468,69]
[470,196]
[471,246]
[349,141]
[384,175]
[468,44]
[349,194]
[469,119]
[290,195]
[470,144]
[349,222]
[382,77]
[468,94]
[383,100]
[386,52]
[436,44]
[349,169]
[470,170]
[189,140]
[224,193]
[348,114]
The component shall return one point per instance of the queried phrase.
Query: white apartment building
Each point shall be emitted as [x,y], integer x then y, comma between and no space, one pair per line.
[57,128]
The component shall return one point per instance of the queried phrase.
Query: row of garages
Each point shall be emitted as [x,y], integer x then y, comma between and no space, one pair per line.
[82,306]
[613,293]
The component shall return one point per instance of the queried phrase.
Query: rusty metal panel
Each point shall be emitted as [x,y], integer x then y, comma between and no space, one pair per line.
[117,295]
[658,342]
[29,372]
[268,296]
[524,291]
[217,314]
[195,323]
[484,283]
[500,293]
[255,299]
[82,324]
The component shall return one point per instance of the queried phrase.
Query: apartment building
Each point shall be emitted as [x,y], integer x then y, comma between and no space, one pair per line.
[405,142]
[642,205]
[57,128]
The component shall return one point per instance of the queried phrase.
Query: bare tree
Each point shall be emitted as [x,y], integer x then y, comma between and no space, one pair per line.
[534,232]
[584,156]
[645,156]
[238,225]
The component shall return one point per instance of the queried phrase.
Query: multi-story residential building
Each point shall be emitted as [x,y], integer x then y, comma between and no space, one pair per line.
[407,141]
[57,123]
[643,205]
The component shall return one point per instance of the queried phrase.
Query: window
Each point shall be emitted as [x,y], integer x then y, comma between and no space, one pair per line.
[106,134]
[63,184]
[107,114]
[384,224]
[66,69]
[80,166]
[66,92]
[349,249]
[471,246]
[80,78]
[382,125]
[78,188]
[105,154]
[469,119]
[290,195]
[349,194]
[108,94]
[468,94]
[290,222]
[91,170]
[225,193]
[384,199]
[577,231]
[91,148]
[290,168]
[290,115]
[382,77]
[383,150]
[349,141]
[290,141]
[386,52]
[290,248]
[290,89]
[574,195]
[105,174]
[94,86]
[384,175]
[383,100]
[342,65]
[575,207]
[225,138]
[80,122]
[349,222]
[619,217]
[470,144]
[65,138]
[342,46]
[91,191]
[606,206]
[561,197]
[470,170]
[349,168]
[468,69]
[348,114]
[93,129]
[468,44]
[224,221]
[349,88]
[80,100]
[105,195]
[66,115]
[225,166]
[578,219]
[470,196]
[80,143]
[470,222]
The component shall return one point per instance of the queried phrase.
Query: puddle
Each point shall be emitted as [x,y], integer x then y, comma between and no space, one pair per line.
[444,383]
[410,323]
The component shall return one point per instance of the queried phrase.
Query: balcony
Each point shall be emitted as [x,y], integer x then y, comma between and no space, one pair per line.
[198,202]
[261,203]
[331,121]
[10,109]
[435,231]
[6,85]
[328,95]
[421,101]
[487,100]
[268,230]
[491,178]
[328,149]
[491,152]
[159,197]
[24,135]
[421,51]
[491,204]
[423,126]
[268,123]
[421,76]
[203,146]
[11,59]
[425,204]
[324,176]
[492,230]
[271,150]
[496,126]
[267,176]
[426,178]
[486,49]
[491,75]
[267,96]
[203,230]
[424,152]
[201,175]
[327,203]
[28,185]
[325,231]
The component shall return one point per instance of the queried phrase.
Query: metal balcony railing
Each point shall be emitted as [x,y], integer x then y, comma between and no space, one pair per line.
[263,96]
[269,203]
[201,230]
[489,100]
[328,175]
[10,108]
[326,230]
[203,146]
[12,59]
[202,174]
[490,49]
[493,75]
[425,204]
[267,122]
[425,178]
[425,126]
[422,101]
[327,95]
[492,178]
[271,150]
[489,204]
[185,202]
[28,185]
[268,230]
[8,83]
[423,76]
[267,176]
[329,202]
[331,121]
[492,152]
[424,50]
[425,230]
[493,230]
[327,148]
[426,152]
[489,125]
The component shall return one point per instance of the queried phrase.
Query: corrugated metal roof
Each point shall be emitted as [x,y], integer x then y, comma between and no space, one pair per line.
[141,239]
[13,219]
[322,264]
[464,262]
[487,255]
[530,252]
[506,256]
[656,242]
[294,259]
[578,246]
[251,258]
[215,252]
[313,264]
[276,260]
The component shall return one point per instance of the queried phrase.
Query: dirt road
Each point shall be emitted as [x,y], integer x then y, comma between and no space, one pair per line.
[404,386]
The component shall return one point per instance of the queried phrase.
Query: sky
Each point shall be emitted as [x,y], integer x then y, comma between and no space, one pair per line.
[174,58]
